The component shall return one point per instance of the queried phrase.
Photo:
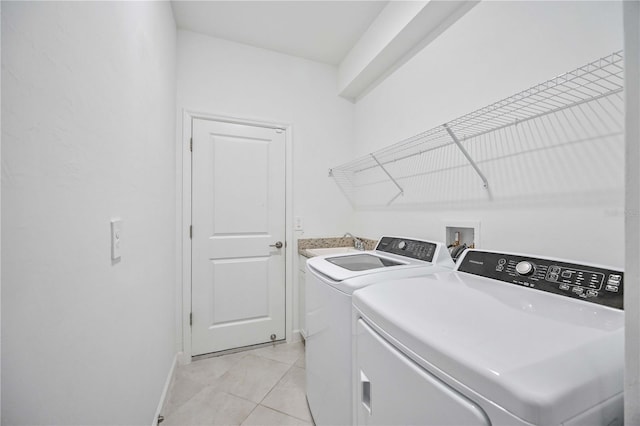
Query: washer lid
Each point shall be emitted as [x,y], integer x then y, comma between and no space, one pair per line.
[540,356]
[391,254]
[346,266]
[362,262]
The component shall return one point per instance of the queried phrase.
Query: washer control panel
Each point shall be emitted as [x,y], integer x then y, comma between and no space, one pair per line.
[415,249]
[589,283]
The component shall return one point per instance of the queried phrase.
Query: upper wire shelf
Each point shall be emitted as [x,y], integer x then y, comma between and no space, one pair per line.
[579,106]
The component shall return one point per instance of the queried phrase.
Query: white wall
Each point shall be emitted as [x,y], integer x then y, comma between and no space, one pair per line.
[88,114]
[225,78]
[0,238]
[235,80]
[494,51]
[632,213]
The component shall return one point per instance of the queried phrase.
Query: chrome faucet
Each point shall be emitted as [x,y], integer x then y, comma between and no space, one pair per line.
[357,242]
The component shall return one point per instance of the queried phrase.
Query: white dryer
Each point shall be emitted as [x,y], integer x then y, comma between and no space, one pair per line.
[331,280]
[505,339]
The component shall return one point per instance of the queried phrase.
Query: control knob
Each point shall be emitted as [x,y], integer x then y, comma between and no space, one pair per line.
[525,268]
[402,245]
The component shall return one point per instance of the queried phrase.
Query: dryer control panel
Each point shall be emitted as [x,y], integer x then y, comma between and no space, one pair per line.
[415,249]
[584,282]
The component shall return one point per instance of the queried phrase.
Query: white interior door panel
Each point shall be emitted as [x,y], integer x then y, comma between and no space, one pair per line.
[238,215]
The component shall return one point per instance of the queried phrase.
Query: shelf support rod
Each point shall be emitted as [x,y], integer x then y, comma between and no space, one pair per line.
[467,156]
[401,191]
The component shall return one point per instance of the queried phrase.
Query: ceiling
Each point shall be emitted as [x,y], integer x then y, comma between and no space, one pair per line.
[322,31]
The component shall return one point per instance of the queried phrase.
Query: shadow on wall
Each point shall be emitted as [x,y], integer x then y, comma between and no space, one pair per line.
[559,143]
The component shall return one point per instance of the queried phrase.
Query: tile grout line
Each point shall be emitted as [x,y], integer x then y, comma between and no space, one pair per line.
[274,386]
[214,386]
[208,385]
[276,360]
[178,407]
[270,389]
[286,414]
[250,413]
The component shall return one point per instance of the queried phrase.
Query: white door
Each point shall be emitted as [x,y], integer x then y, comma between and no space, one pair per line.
[238,218]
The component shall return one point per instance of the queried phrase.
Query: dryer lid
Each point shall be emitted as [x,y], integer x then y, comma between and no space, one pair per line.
[543,357]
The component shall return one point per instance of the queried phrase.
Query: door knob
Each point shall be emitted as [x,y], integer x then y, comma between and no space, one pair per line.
[276,245]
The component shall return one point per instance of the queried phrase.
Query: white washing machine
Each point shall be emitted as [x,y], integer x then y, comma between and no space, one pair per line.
[505,339]
[331,280]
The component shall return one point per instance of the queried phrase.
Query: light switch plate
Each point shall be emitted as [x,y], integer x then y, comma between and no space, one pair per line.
[298,224]
[116,238]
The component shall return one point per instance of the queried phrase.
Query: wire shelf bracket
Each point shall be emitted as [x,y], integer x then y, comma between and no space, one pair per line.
[401,191]
[455,139]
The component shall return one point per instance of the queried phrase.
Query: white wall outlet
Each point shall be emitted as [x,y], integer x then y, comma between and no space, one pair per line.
[298,224]
[116,238]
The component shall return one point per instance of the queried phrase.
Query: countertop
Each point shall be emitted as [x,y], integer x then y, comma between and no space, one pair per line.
[312,243]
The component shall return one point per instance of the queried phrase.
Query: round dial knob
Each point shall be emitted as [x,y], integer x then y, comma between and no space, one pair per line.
[525,268]
[402,245]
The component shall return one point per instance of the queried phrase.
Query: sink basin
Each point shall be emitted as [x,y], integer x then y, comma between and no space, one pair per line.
[331,250]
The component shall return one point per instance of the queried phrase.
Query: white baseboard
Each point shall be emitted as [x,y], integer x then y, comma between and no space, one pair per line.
[184,358]
[167,385]
[296,336]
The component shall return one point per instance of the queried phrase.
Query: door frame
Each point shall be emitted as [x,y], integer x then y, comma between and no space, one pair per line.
[183,221]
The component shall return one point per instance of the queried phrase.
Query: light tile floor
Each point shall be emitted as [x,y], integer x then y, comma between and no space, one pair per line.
[264,386]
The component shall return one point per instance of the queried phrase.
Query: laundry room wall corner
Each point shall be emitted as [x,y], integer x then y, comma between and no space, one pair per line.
[263,86]
[266,86]
[632,212]
[495,50]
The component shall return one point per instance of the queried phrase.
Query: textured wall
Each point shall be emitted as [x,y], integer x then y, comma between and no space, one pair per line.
[230,79]
[88,124]
[496,50]
[632,213]
[220,77]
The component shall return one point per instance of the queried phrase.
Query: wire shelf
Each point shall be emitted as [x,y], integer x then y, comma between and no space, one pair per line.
[578,116]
